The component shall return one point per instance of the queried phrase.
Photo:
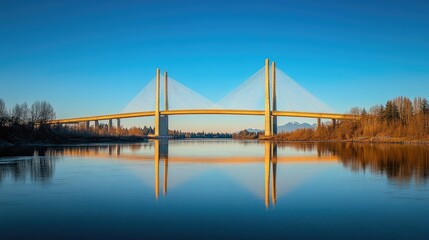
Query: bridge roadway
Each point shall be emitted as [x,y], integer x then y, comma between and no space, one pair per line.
[205,112]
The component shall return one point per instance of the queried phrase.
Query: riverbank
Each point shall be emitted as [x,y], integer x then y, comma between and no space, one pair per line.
[384,139]
[72,140]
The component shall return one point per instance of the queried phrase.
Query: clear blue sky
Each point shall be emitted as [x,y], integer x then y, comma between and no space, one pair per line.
[93,57]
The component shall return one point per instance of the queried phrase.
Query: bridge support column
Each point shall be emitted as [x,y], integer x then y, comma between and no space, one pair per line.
[110,125]
[163,125]
[267,99]
[273,72]
[118,127]
[334,123]
[319,122]
[87,125]
[96,125]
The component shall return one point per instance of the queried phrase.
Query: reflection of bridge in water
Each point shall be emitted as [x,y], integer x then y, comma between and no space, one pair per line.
[161,159]
[282,97]
[399,163]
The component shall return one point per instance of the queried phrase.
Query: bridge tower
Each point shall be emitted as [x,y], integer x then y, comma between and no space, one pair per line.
[157,103]
[267,99]
[273,76]
[163,124]
[161,121]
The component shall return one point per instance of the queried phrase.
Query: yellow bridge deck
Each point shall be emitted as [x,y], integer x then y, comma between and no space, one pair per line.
[206,112]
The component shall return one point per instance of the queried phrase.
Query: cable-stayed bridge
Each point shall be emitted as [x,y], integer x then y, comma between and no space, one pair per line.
[269,93]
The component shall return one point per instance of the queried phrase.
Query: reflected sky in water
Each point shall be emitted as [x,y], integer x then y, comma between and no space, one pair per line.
[215,189]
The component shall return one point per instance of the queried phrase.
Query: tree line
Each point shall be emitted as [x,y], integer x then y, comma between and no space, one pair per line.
[400,119]
[103,130]
[24,122]
[39,112]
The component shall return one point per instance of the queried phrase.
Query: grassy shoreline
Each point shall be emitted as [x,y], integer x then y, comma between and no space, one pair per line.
[74,140]
[372,140]
[93,139]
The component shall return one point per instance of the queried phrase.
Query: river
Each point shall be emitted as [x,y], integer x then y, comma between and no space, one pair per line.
[215,189]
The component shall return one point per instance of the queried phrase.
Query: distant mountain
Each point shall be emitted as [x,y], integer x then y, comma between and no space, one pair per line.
[253,130]
[292,126]
[288,127]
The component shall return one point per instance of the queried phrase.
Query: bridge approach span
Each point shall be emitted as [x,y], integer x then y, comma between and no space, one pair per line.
[205,112]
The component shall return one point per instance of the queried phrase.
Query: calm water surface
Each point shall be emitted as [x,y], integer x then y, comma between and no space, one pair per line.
[218,189]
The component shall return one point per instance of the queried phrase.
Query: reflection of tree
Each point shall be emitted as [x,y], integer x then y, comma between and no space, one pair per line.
[38,167]
[299,146]
[90,150]
[399,162]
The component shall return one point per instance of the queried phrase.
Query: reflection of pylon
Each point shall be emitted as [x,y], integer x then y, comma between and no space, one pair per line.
[156,157]
[161,152]
[267,173]
[165,175]
[270,158]
[274,161]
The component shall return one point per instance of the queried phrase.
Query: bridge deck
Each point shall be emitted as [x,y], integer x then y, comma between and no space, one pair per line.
[206,112]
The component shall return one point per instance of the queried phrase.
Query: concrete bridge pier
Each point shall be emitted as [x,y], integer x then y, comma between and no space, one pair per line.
[96,125]
[87,125]
[334,123]
[319,123]
[163,126]
[110,126]
[118,127]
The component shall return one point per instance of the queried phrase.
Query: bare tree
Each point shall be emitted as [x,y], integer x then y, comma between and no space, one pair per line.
[3,110]
[25,117]
[405,108]
[357,111]
[376,110]
[3,113]
[41,112]
[20,113]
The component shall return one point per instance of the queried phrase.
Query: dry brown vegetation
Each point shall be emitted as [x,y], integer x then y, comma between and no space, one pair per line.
[399,120]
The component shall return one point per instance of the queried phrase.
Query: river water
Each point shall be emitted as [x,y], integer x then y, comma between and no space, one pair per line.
[215,189]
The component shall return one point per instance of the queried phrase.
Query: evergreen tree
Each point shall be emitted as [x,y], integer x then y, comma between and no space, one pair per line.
[391,112]
[424,106]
